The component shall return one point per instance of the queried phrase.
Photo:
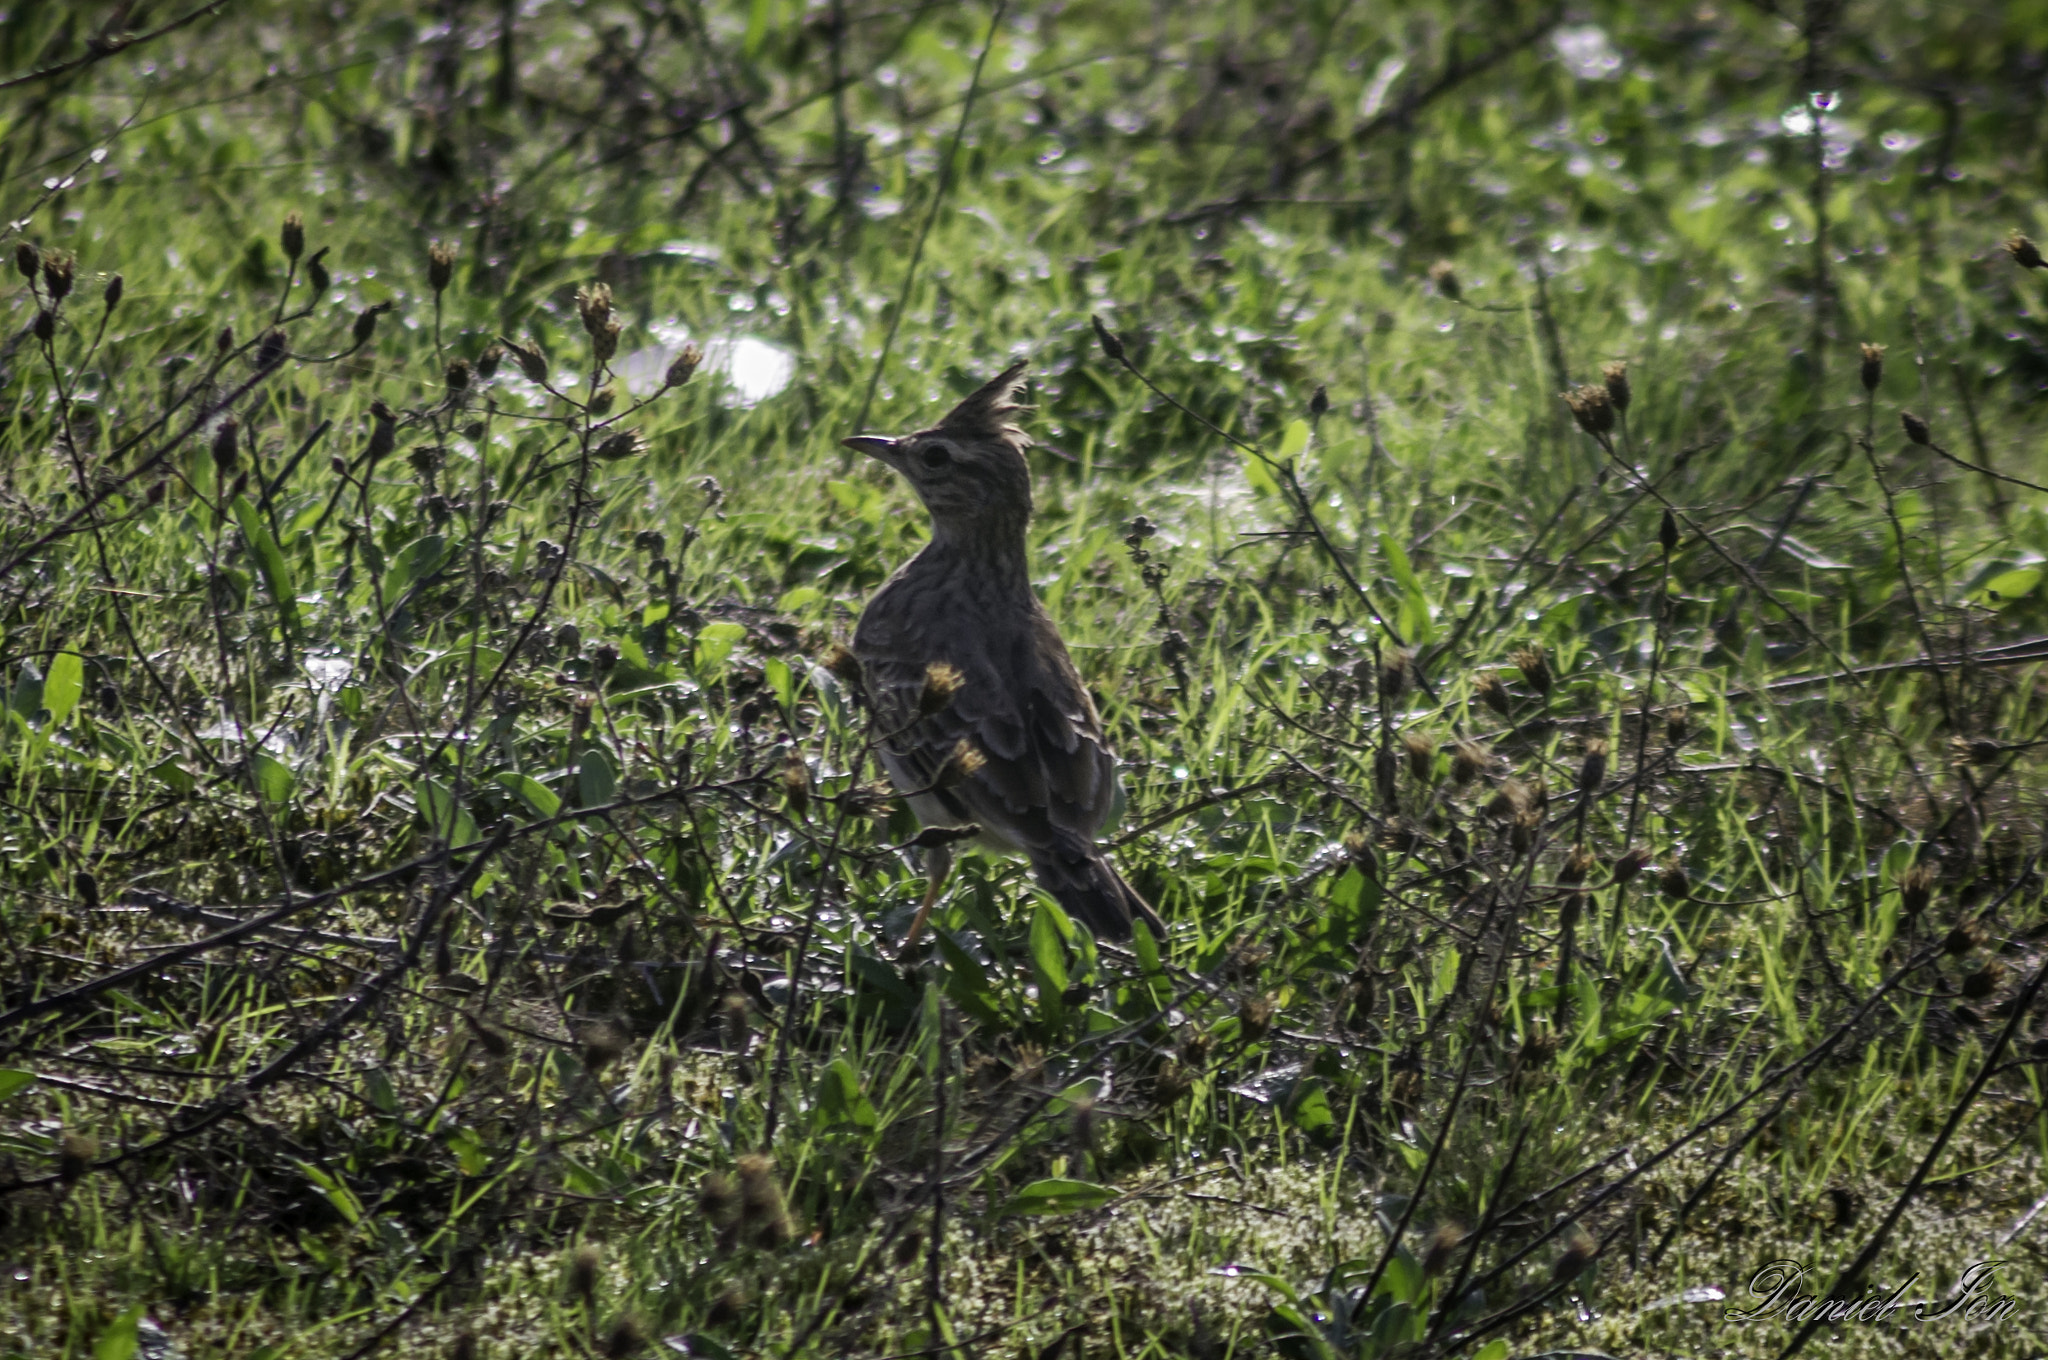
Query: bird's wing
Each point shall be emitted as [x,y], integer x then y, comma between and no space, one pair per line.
[1048,778]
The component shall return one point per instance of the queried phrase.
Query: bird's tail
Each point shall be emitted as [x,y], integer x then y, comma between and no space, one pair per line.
[1088,886]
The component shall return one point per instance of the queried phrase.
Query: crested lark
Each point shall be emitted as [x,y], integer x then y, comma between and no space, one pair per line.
[980,715]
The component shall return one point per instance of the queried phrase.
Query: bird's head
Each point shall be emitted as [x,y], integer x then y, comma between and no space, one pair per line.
[968,469]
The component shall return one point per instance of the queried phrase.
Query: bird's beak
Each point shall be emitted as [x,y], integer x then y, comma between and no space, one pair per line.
[874,445]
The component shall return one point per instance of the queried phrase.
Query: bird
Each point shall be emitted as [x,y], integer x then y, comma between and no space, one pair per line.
[980,719]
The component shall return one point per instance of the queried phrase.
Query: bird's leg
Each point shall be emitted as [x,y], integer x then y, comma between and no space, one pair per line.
[938,862]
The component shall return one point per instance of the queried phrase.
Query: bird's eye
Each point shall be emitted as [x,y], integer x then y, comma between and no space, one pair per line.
[935,455]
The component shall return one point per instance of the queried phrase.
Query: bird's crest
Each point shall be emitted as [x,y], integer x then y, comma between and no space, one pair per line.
[982,411]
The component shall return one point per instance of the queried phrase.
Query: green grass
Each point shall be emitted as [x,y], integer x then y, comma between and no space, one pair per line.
[469,886]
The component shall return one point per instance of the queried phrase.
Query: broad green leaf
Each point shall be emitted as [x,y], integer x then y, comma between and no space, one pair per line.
[840,1098]
[175,777]
[800,598]
[1293,441]
[1999,591]
[27,699]
[277,573]
[596,779]
[776,671]
[539,799]
[1049,958]
[1260,476]
[1398,565]
[757,29]
[121,1337]
[1496,1349]
[415,562]
[1054,1196]
[63,685]
[443,815]
[274,779]
[13,1079]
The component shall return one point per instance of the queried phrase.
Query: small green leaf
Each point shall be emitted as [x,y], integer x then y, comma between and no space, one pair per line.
[1260,476]
[776,671]
[1059,1197]
[274,779]
[1049,959]
[27,699]
[716,642]
[175,777]
[13,1079]
[1496,1349]
[63,685]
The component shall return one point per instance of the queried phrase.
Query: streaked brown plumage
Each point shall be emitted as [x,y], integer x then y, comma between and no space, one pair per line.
[1048,781]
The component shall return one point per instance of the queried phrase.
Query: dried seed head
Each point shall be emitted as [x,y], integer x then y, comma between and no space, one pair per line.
[627,1337]
[87,889]
[316,274]
[1436,1254]
[1444,275]
[226,444]
[624,444]
[1966,935]
[1873,367]
[842,663]
[603,658]
[601,400]
[604,341]
[1616,375]
[1672,881]
[2024,252]
[1394,667]
[1593,769]
[728,1308]
[1568,910]
[1675,724]
[112,295]
[1916,429]
[1579,1251]
[488,1039]
[569,638]
[1916,889]
[1984,981]
[733,1016]
[1522,835]
[762,1214]
[1107,338]
[1255,1018]
[1510,800]
[1420,749]
[942,681]
[1534,666]
[1492,692]
[45,324]
[594,306]
[532,362]
[1468,761]
[292,237]
[682,366]
[28,260]
[1577,865]
[603,1044]
[1172,1083]
[1630,863]
[1319,403]
[458,375]
[1592,408]
[440,266]
[965,762]
[796,782]
[366,324]
[487,362]
[271,349]
[584,1263]
[1667,532]
[225,341]
[58,270]
[75,1153]
[717,1199]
